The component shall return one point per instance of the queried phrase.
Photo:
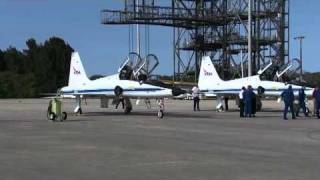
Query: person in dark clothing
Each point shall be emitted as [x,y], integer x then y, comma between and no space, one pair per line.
[226,99]
[241,101]
[302,104]
[120,100]
[288,98]
[248,101]
[314,101]
[317,99]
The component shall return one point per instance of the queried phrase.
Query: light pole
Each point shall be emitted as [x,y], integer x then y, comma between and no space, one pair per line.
[138,30]
[249,38]
[300,39]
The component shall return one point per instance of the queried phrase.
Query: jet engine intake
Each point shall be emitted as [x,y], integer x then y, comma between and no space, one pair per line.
[118,91]
[260,90]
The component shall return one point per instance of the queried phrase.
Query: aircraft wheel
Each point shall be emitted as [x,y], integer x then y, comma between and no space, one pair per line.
[79,111]
[220,109]
[52,116]
[160,114]
[118,90]
[127,110]
[308,110]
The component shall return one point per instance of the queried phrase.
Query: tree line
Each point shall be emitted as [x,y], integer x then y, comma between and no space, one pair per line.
[41,68]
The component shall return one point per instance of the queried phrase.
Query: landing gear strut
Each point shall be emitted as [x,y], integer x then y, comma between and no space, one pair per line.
[78,109]
[220,102]
[161,108]
[128,106]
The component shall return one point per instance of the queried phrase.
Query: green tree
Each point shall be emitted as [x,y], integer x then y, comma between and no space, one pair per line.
[42,68]
[2,62]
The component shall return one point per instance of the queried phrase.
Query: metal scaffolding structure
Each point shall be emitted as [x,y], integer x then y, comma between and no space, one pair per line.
[218,28]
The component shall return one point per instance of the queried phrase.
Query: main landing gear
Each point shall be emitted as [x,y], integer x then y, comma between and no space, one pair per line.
[78,109]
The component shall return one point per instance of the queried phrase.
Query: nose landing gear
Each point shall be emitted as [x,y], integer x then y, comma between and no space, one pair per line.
[161,108]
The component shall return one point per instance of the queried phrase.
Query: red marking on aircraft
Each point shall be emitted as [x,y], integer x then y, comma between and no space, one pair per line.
[206,73]
[76,72]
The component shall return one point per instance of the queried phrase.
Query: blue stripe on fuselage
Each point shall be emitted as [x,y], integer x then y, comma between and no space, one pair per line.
[111,90]
[238,90]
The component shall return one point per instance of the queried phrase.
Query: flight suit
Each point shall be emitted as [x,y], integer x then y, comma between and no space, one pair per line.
[302,103]
[247,96]
[288,98]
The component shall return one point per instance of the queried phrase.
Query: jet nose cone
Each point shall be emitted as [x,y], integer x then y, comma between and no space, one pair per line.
[177,91]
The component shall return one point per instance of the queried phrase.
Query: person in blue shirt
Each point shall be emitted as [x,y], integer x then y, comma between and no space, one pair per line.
[288,98]
[302,104]
[247,97]
[317,99]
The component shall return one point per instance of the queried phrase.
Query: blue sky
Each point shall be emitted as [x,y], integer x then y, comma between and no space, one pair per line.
[103,48]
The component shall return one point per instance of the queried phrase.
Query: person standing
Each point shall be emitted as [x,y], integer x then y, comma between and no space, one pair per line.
[120,100]
[317,99]
[196,98]
[241,101]
[248,101]
[254,103]
[302,104]
[288,98]
[314,101]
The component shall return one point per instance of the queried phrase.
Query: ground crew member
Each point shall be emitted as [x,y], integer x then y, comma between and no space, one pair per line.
[248,101]
[317,99]
[302,104]
[288,98]
[196,98]
[120,100]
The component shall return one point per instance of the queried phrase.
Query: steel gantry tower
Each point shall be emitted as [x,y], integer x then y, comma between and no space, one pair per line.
[218,28]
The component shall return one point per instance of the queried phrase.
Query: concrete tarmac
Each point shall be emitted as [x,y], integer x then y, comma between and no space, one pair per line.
[106,144]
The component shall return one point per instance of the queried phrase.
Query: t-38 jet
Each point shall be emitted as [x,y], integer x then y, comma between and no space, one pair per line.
[114,86]
[210,82]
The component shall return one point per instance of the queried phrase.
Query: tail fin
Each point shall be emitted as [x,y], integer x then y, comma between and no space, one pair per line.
[77,74]
[208,73]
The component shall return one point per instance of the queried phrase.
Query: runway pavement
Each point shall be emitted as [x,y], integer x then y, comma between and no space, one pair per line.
[106,144]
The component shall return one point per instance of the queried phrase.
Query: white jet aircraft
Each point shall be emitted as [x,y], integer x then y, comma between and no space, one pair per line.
[111,87]
[210,82]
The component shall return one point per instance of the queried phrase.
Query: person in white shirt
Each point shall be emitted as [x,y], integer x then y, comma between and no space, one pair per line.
[241,101]
[196,98]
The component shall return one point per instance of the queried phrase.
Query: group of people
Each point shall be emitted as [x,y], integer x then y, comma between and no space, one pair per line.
[247,102]
[288,98]
[248,99]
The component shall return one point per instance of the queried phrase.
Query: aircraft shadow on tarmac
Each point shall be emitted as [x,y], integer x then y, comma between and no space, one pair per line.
[146,114]
[237,110]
